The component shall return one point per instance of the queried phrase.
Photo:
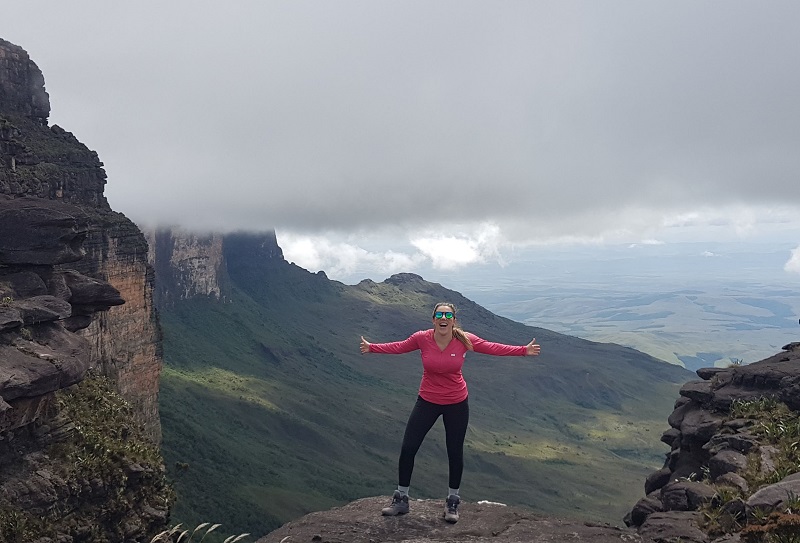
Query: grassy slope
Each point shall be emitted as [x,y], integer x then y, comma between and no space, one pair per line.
[276,414]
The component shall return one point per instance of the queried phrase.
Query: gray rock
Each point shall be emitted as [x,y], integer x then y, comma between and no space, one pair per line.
[742,442]
[773,496]
[738,424]
[699,425]
[23,283]
[644,508]
[54,359]
[360,522]
[671,526]
[671,437]
[91,293]
[708,373]
[676,417]
[727,461]
[698,391]
[10,318]
[40,232]
[657,479]
[685,495]
[767,455]
[43,309]
[733,480]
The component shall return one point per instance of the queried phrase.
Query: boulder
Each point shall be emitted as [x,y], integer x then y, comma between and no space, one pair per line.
[43,309]
[644,508]
[699,425]
[697,391]
[52,359]
[671,437]
[657,479]
[671,526]
[709,373]
[90,293]
[743,442]
[772,497]
[727,461]
[733,480]
[685,495]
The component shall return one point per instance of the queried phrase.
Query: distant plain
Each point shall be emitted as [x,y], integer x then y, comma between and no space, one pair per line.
[692,304]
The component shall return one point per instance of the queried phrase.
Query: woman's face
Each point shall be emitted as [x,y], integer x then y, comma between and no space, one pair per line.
[441,322]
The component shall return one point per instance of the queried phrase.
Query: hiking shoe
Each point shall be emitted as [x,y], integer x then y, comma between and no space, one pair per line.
[451,509]
[399,505]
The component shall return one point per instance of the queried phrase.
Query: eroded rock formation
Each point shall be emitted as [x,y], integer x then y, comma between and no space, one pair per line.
[49,163]
[63,454]
[717,454]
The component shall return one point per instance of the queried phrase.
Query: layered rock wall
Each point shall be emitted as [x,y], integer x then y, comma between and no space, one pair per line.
[50,163]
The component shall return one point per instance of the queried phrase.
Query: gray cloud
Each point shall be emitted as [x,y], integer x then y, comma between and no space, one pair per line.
[546,118]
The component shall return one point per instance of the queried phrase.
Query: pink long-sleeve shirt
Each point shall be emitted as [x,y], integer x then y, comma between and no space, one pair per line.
[442,381]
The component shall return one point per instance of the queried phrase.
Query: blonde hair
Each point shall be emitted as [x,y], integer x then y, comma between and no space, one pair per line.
[458,333]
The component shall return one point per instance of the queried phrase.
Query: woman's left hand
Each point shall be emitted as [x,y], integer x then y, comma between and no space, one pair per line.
[533,348]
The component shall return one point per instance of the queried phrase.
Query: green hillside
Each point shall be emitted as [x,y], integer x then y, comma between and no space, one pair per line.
[269,411]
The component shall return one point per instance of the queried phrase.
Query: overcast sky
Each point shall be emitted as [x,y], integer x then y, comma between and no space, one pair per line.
[392,134]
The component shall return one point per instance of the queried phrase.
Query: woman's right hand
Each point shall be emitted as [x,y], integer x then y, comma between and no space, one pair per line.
[364,345]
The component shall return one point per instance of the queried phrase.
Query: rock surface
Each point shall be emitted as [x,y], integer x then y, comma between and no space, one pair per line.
[68,265]
[711,449]
[361,522]
[49,164]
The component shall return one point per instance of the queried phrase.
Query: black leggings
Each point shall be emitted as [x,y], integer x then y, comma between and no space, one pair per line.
[422,418]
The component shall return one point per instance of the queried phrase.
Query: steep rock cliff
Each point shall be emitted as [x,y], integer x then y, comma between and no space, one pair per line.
[187,264]
[50,163]
[74,466]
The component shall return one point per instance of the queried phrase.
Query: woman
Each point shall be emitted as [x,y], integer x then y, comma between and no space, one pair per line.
[441,392]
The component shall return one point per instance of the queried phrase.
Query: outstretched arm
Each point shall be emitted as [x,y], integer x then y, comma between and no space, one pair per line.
[396,347]
[500,349]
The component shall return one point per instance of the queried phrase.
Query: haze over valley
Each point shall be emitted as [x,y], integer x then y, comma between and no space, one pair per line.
[696,304]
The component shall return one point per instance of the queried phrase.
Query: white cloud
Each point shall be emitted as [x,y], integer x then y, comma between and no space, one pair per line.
[343,258]
[549,125]
[450,251]
[793,264]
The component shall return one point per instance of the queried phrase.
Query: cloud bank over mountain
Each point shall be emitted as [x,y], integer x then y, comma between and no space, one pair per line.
[548,121]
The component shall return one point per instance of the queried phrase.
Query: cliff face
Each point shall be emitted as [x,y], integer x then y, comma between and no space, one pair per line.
[50,163]
[64,452]
[187,265]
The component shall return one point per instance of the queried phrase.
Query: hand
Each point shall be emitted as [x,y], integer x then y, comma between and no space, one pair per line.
[531,349]
[364,345]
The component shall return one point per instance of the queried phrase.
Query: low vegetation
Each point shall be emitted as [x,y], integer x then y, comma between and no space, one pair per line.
[779,426]
[106,467]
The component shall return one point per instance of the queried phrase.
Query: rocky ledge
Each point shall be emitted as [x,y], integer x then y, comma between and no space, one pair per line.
[731,472]
[41,307]
[361,522]
[74,466]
